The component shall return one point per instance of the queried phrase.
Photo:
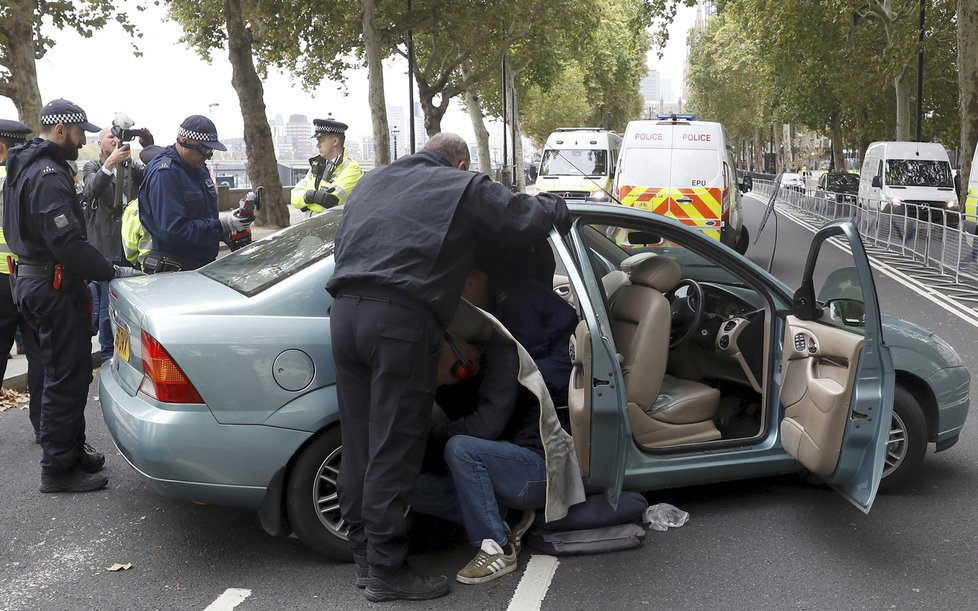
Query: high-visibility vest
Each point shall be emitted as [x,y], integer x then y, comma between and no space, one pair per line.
[136,241]
[4,249]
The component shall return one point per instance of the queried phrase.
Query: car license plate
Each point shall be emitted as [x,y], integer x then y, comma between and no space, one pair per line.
[122,343]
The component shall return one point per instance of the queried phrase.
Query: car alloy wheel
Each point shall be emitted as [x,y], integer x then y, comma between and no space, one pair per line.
[896,445]
[311,500]
[907,440]
[325,497]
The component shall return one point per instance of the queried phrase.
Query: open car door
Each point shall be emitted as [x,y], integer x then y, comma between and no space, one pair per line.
[595,398]
[837,375]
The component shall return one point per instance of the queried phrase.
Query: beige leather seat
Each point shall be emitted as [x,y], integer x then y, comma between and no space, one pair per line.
[663,410]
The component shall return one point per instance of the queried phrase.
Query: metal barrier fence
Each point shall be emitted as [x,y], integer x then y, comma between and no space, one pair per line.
[933,237]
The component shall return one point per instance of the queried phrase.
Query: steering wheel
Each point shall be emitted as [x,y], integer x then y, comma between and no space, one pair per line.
[686,304]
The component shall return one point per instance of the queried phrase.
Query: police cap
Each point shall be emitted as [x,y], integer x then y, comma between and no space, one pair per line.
[64,111]
[149,153]
[328,126]
[14,130]
[201,129]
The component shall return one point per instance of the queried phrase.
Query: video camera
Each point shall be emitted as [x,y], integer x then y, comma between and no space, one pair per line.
[122,128]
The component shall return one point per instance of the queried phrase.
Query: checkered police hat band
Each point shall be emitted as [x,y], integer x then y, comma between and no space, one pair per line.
[328,129]
[198,136]
[13,136]
[67,117]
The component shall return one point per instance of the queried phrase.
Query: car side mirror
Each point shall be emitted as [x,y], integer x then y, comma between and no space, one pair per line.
[850,312]
[877,182]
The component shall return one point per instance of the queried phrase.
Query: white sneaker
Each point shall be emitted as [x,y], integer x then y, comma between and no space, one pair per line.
[491,562]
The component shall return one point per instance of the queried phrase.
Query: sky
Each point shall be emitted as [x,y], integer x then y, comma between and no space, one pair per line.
[169,81]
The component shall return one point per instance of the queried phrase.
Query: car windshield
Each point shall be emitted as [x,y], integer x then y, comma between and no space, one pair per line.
[574,162]
[842,183]
[918,173]
[262,264]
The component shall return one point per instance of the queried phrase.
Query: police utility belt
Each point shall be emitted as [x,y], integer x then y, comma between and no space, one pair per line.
[51,270]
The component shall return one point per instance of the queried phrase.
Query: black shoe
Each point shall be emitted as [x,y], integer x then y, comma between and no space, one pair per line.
[404,584]
[71,480]
[363,569]
[89,460]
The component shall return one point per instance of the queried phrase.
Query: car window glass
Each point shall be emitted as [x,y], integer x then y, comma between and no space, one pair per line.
[262,264]
[574,162]
[918,173]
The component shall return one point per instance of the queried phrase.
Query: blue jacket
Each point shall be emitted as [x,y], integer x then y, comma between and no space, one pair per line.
[178,207]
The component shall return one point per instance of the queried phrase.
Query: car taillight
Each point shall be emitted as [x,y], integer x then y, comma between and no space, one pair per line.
[163,379]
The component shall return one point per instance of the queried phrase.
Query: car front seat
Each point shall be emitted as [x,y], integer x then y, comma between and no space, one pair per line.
[663,410]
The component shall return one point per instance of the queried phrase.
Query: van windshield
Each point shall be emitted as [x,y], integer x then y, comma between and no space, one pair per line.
[574,162]
[918,173]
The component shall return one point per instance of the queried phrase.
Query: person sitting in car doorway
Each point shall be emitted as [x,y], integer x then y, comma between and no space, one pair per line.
[499,432]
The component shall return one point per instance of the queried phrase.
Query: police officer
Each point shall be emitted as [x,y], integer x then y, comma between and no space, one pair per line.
[402,259]
[332,175]
[14,133]
[178,201]
[43,223]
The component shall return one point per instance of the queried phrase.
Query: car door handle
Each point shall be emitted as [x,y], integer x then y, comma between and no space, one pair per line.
[684,200]
[562,291]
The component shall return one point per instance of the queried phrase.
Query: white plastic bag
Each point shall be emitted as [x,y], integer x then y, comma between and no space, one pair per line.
[664,516]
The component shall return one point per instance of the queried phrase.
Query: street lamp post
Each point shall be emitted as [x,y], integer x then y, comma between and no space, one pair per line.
[394,133]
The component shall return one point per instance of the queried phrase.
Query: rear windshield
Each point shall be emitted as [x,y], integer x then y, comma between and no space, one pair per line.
[677,168]
[574,162]
[262,264]
[918,173]
[842,183]
[645,168]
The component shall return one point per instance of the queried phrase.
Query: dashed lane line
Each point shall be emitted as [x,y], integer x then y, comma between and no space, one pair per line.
[534,584]
[231,598]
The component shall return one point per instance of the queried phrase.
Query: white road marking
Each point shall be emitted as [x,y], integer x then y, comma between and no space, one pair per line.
[533,587]
[231,598]
[951,305]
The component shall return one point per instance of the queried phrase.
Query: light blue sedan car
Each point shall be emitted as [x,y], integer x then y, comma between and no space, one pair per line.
[690,365]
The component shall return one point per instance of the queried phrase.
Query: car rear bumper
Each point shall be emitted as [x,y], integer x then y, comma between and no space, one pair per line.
[186,454]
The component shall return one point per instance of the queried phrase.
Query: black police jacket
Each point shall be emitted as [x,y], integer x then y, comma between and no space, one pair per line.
[42,216]
[414,226]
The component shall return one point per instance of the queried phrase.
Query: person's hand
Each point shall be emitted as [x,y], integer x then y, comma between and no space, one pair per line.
[246,219]
[562,218]
[126,272]
[147,139]
[231,223]
[121,154]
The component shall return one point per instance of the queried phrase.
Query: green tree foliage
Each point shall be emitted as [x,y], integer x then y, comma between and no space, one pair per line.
[565,104]
[25,36]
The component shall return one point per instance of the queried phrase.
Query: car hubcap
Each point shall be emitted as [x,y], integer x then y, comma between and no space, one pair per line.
[325,498]
[896,445]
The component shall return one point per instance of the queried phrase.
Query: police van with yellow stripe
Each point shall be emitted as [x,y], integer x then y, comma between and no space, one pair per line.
[683,168]
[578,163]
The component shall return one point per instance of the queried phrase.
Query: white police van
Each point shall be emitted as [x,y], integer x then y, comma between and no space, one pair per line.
[578,163]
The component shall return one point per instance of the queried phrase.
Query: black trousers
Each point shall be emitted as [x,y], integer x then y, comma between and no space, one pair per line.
[62,321]
[10,321]
[386,354]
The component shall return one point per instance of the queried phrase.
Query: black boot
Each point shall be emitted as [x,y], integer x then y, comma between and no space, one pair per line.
[363,569]
[71,480]
[89,460]
[404,583]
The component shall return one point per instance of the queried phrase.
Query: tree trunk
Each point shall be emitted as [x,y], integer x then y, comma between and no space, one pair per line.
[375,88]
[259,147]
[902,91]
[967,17]
[838,152]
[17,53]
[519,179]
[757,161]
[474,106]
[433,113]
[779,165]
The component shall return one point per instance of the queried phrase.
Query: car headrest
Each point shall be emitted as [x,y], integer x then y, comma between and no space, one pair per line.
[659,273]
[629,263]
[614,280]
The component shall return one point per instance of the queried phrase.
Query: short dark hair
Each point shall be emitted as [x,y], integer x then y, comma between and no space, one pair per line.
[451,146]
[10,142]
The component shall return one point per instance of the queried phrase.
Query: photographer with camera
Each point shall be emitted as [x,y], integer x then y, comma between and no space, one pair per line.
[332,175]
[109,183]
[178,202]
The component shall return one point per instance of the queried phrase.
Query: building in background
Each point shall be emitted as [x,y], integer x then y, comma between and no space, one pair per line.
[298,134]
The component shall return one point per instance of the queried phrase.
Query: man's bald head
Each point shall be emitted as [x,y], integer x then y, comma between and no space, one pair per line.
[452,147]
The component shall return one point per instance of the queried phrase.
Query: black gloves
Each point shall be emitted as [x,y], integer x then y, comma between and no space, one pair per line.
[562,217]
[126,272]
[323,197]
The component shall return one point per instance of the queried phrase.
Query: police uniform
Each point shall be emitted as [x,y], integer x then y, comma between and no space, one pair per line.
[401,261]
[338,175]
[44,226]
[14,133]
[178,204]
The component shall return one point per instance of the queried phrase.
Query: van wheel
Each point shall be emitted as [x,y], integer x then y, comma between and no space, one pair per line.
[743,240]
[311,499]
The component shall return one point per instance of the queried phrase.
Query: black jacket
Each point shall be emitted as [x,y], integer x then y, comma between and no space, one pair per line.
[103,215]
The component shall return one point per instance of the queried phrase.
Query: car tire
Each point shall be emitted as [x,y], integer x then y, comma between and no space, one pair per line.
[743,241]
[907,440]
[311,500]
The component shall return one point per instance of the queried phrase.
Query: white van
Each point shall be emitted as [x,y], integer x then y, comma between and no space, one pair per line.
[912,178]
[683,168]
[578,163]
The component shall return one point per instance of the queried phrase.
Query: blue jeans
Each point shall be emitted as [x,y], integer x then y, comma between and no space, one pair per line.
[100,317]
[485,476]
